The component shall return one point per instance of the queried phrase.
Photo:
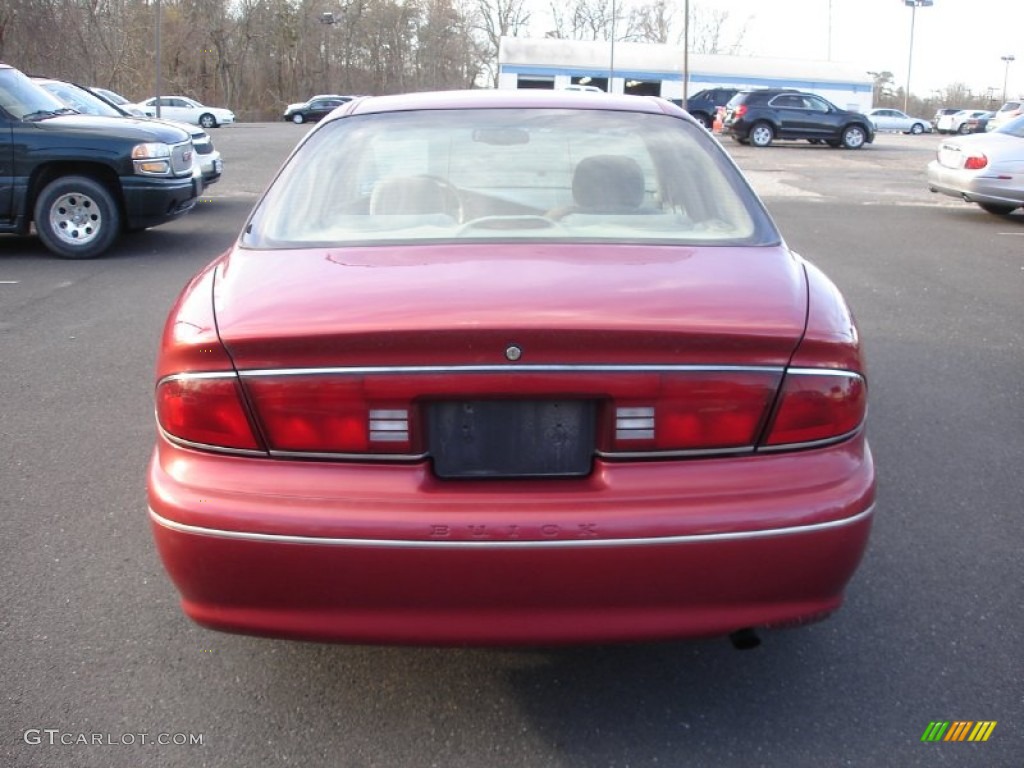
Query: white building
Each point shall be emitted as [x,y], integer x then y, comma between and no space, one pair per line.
[657,70]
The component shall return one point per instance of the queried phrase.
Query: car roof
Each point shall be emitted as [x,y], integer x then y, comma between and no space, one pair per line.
[506,99]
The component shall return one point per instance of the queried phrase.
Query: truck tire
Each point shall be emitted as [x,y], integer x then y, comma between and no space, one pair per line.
[76,217]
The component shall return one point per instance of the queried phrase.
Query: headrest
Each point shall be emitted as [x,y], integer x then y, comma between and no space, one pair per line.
[608,183]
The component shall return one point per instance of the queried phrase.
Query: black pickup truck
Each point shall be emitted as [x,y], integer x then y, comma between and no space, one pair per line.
[82,179]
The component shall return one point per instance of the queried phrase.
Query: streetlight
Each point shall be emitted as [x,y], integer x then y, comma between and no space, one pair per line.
[328,20]
[611,59]
[1006,75]
[159,85]
[913,17]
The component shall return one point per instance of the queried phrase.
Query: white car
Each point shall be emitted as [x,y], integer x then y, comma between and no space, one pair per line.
[187,111]
[118,101]
[1006,113]
[886,119]
[93,101]
[957,123]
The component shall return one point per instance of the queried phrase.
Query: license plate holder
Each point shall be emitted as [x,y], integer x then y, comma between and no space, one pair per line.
[512,438]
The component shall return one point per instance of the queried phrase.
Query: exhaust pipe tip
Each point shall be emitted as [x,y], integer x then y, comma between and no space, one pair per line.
[744,639]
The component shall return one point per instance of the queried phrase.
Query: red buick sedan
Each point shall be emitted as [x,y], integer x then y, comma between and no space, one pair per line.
[510,368]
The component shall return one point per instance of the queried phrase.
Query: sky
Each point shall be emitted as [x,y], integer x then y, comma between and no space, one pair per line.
[955,41]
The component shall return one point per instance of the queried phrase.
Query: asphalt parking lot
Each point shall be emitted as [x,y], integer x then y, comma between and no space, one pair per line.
[98,662]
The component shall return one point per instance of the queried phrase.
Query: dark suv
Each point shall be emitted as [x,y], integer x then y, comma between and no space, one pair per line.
[762,116]
[703,105]
[83,179]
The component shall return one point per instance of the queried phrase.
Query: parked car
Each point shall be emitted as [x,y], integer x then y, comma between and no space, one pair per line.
[119,101]
[944,111]
[704,105]
[987,169]
[391,422]
[762,116]
[885,119]
[84,101]
[978,124]
[187,111]
[315,109]
[957,122]
[82,179]
[1009,111]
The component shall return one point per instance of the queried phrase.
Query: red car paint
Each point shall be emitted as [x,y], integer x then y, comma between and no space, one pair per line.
[271,535]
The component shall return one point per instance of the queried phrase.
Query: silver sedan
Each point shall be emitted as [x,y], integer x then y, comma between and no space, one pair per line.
[894,120]
[983,168]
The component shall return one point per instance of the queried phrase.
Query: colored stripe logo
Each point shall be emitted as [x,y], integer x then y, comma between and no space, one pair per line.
[958,730]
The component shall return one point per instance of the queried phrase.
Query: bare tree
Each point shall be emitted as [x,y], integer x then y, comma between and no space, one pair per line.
[493,20]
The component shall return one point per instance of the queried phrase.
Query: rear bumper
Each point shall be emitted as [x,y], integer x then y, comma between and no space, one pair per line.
[974,186]
[360,553]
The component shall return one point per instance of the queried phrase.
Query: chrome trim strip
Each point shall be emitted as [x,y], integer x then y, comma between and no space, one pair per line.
[371,458]
[553,368]
[675,454]
[811,444]
[210,448]
[196,375]
[561,543]
[825,372]
[509,368]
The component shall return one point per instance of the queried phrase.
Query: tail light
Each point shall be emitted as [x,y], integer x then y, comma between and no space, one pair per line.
[695,412]
[817,405]
[975,162]
[206,410]
[647,412]
[739,111]
[329,415]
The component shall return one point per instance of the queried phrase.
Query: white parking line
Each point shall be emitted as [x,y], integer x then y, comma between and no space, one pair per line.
[9,282]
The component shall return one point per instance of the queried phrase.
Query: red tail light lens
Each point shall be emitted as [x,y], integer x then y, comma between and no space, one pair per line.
[328,415]
[207,411]
[975,162]
[816,406]
[696,412]
[739,111]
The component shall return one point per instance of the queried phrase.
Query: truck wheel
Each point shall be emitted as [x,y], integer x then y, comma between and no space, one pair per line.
[77,217]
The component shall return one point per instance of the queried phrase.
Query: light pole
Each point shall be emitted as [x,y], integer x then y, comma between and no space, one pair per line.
[611,60]
[1006,74]
[910,60]
[686,54]
[159,85]
[328,20]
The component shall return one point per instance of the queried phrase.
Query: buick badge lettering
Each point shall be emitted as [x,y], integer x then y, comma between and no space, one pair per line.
[513,532]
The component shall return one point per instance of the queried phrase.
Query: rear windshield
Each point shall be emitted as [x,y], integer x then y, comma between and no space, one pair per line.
[508,174]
